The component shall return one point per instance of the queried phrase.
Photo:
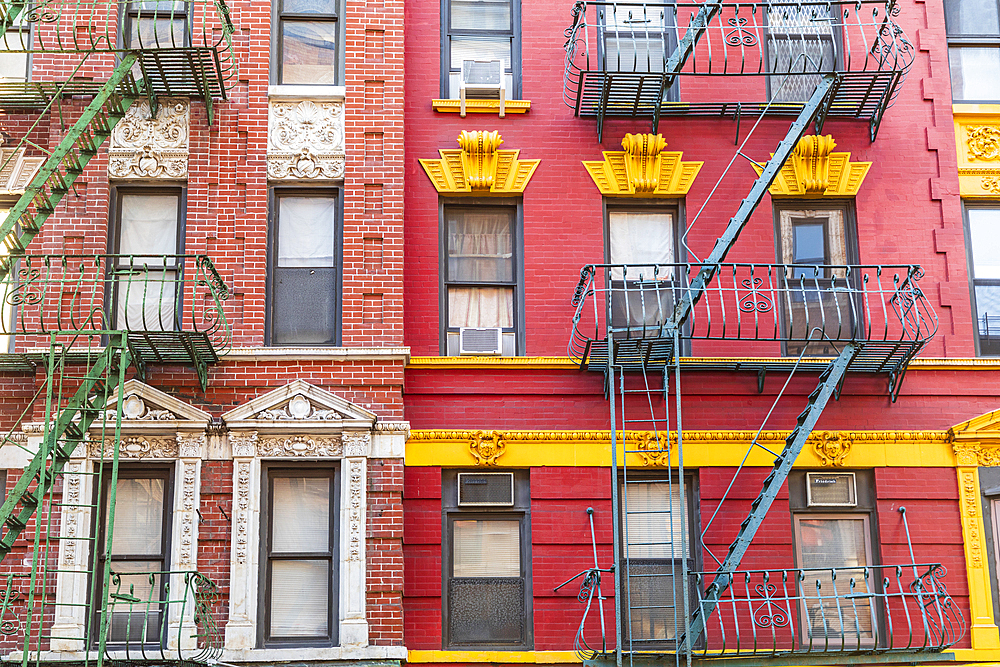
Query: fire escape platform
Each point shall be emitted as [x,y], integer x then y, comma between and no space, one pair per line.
[40,94]
[865,657]
[189,72]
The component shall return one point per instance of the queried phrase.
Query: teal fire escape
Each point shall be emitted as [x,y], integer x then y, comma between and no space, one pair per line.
[85,323]
[632,322]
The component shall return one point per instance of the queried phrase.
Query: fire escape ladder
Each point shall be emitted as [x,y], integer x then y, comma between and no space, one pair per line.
[62,436]
[829,380]
[728,238]
[65,164]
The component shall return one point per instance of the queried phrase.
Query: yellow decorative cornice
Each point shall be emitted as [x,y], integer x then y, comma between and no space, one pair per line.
[643,169]
[479,167]
[861,449]
[481,106]
[814,170]
[977,137]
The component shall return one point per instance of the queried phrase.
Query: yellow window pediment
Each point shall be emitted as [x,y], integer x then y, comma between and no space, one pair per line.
[814,170]
[479,167]
[643,169]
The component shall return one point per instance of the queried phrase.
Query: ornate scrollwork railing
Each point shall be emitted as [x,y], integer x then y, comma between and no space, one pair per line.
[140,293]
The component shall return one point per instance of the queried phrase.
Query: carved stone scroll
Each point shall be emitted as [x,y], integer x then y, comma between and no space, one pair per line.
[147,147]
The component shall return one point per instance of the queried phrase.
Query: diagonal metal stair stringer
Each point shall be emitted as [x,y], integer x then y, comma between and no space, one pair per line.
[829,380]
[63,436]
[66,162]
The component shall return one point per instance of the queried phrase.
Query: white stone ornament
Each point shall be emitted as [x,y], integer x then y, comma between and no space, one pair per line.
[305,140]
[152,148]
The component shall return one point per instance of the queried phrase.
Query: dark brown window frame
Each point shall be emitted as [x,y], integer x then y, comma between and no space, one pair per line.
[164,471]
[971,265]
[131,13]
[981,40]
[515,47]
[278,16]
[269,470]
[450,512]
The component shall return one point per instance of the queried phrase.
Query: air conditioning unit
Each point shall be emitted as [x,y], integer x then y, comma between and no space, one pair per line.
[831,489]
[480,341]
[482,79]
[481,489]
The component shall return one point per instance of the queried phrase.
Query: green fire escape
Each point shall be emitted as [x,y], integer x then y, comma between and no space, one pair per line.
[632,323]
[86,323]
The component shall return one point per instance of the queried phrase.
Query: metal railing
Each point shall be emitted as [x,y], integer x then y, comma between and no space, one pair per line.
[865,609]
[49,294]
[752,302]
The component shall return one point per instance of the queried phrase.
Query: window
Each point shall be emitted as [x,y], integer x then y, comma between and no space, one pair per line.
[480,30]
[156,24]
[638,38]
[306,42]
[138,553]
[654,553]
[306,243]
[983,229]
[973,49]
[645,239]
[835,532]
[815,241]
[989,483]
[147,235]
[487,563]
[802,39]
[299,538]
[481,275]
[14,65]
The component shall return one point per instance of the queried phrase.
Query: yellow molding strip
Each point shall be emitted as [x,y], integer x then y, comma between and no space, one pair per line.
[481,106]
[509,363]
[496,657]
[522,449]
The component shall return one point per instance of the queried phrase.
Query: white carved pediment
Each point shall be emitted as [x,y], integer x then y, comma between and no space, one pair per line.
[305,140]
[152,148]
[296,405]
[147,408]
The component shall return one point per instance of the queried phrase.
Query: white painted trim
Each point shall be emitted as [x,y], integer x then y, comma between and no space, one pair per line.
[294,92]
[325,654]
[318,354]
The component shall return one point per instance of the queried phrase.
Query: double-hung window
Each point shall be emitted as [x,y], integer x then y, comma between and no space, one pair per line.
[14,65]
[815,242]
[983,226]
[306,243]
[480,30]
[298,600]
[481,273]
[832,515]
[643,289]
[487,560]
[156,24]
[147,233]
[138,553]
[657,531]
[801,44]
[973,49]
[638,38]
[306,37]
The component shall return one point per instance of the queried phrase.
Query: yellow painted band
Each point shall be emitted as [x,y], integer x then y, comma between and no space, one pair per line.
[506,657]
[509,363]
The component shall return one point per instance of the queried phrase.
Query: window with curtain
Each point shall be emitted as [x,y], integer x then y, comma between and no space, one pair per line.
[973,49]
[481,271]
[305,270]
[983,225]
[147,235]
[306,42]
[156,24]
[656,545]
[802,43]
[138,553]
[835,609]
[643,294]
[481,30]
[815,243]
[300,600]
[14,65]
[487,562]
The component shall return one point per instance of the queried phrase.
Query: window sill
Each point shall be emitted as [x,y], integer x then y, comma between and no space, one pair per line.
[296,92]
[481,106]
[507,657]
[330,653]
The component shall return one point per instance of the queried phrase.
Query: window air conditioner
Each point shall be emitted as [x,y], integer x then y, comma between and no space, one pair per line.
[482,79]
[485,489]
[480,341]
[831,490]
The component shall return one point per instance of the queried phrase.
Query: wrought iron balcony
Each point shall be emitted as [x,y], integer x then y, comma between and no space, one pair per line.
[873,609]
[170,305]
[619,57]
[752,310]
[184,46]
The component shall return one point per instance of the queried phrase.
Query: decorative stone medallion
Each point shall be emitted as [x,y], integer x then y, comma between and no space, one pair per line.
[305,140]
[147,147]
